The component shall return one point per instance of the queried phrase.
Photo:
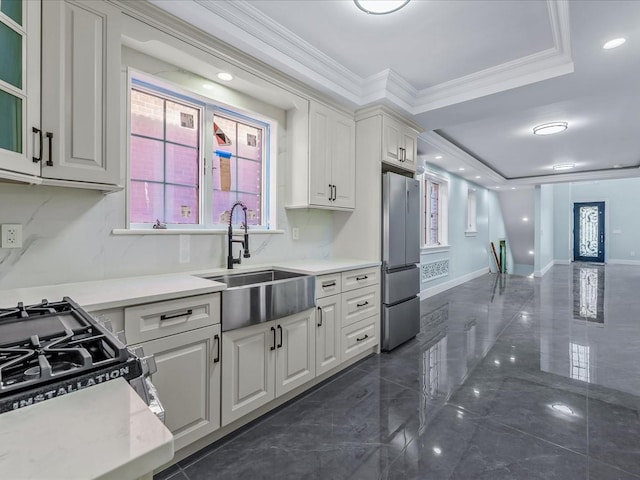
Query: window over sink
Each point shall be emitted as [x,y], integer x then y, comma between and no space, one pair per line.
[191,159]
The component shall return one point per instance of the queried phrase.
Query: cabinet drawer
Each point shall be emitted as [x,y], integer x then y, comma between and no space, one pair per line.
[360,304]
[360,336]
[328,285]
[156,320]
[360,278]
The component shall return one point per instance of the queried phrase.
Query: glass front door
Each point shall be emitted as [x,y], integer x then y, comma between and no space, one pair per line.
[588,232]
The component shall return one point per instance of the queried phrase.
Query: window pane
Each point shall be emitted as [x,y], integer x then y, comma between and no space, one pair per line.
[222,202]
[10,56]
[225,134]
[182,165]
[434,198]
[254,215]
[249,176]
[147,159]
[146,203]
[224,173]
[11,122]
[182,204]
[12,9]
[249,142]
[147,115]
[182,124]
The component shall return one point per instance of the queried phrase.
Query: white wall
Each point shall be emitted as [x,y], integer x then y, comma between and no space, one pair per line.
[544,231]
[468,256]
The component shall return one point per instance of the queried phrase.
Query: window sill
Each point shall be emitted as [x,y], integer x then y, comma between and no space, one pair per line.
[471,233]
[434,249]
[185,231]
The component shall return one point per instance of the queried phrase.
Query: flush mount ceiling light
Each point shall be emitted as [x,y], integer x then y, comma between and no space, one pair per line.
[616,42]
[477,176]
[550,128]
[461,169]
[225,77]
[380,7]
[438,157]
[564,166]
[562,408]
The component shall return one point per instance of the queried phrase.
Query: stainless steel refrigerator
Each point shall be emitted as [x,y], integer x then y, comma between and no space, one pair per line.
[400,259]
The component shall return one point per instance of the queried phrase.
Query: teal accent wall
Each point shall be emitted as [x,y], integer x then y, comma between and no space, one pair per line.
[468,253]
[622,222]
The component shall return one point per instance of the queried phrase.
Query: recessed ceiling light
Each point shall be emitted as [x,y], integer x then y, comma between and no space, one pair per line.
[531,252]
[497,188]
[438,157]
[525,219]
[461,169]
[617,165]
[477,176]
[564,166]
[380,7]
[437,450]
[550,128]
[225,77]
[207,86]
[616,42]
[562,408]
[513,188]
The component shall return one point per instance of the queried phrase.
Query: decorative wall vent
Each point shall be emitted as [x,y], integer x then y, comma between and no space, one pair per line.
[433,270]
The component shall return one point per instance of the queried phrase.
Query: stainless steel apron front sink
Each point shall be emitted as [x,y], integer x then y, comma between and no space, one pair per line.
[257,297]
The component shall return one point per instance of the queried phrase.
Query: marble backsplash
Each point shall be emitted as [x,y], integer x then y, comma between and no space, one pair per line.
[68,238]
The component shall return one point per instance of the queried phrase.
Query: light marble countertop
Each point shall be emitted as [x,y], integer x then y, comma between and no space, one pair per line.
[120,292]
[115,292]
[103,432]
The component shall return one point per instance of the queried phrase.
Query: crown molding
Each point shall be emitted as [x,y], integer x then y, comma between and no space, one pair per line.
[243,25]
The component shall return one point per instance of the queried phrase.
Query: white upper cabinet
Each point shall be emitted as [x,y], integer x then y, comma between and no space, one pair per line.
[328,179]
[399,143]
[81,92]
[20,90]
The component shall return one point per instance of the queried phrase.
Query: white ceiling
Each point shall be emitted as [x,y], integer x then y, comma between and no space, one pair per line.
[476,74]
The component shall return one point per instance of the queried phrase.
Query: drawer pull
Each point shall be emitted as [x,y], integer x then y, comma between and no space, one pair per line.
[328,284]
[274,339]
[216,337]
[364,277]
[177,315]
[362,304]
[363,338]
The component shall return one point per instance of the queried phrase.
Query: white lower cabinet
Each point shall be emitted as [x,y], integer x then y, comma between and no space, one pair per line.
[328,328]
[264,361]
[188,381]
[359,336]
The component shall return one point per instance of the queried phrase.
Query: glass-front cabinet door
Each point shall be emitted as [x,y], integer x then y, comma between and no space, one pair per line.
[20,137]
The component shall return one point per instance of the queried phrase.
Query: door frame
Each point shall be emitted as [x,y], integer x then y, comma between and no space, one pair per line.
[601,231]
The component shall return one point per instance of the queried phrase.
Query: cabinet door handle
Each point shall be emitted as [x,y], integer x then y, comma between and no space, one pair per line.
[335,193]
[330,192]
[362,304]
[50,137]
[363,338]
[39,132]
[364,277]
[216,337]
[177,315]
[280,344]
[320,318]
[329,284]
[274,339]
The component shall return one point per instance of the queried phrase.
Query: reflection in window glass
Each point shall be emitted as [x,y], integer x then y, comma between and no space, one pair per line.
[12,9]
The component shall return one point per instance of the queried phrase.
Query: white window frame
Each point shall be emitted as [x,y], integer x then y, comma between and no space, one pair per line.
[472,212]
[443,211]
[206,106]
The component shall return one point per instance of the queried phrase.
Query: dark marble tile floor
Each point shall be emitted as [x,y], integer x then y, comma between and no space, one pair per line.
[510,378]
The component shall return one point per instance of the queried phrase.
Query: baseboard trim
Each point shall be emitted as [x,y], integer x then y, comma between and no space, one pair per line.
[623,262]
[430,292]
[562,262]
[540,273]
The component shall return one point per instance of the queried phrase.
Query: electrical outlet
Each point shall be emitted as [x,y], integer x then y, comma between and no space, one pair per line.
[295,233]
[11,235]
